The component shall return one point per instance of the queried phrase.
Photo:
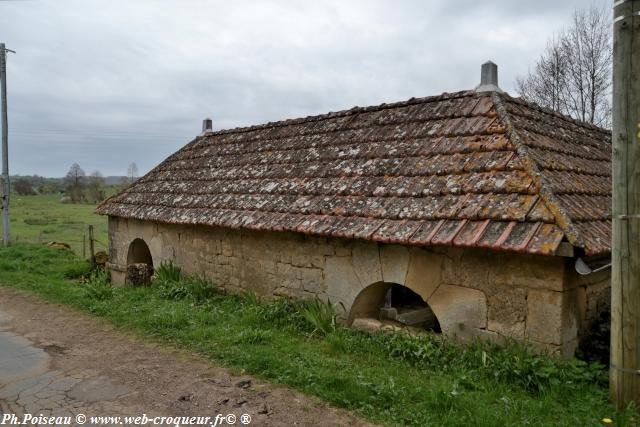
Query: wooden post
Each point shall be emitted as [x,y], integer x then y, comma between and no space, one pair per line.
[91,245]
[84,246]
[5,145]
[625,254]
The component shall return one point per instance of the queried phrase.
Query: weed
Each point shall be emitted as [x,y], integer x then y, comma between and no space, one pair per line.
[322,316]
[250,298]
[283,312]
[98,286]
[253,336]
[168,272]
[197,289]
[391,379]
[78,270]
[39,221]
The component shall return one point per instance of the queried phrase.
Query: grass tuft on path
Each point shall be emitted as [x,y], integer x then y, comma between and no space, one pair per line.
[388,379]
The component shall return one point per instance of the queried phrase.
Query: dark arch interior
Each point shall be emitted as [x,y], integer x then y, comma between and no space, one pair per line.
[139,253]
[395,303]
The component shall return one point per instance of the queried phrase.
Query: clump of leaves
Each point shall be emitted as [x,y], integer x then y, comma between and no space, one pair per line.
[98,285]
[322,316]
[78,270]
[168,272]
[514,363]
[283,312]
[250,298]
[170,284]
[199,289]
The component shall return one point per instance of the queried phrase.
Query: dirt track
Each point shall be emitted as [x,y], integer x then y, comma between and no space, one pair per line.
[58,361]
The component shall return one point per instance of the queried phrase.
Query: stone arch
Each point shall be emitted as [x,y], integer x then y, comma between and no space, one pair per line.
[461,311]
[139,264]
[139,253]
[393,301]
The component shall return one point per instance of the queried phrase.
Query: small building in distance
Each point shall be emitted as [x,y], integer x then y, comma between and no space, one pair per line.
[463,212]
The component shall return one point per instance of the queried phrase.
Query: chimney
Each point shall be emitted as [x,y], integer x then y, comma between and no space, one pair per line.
[207,126]
[489,78]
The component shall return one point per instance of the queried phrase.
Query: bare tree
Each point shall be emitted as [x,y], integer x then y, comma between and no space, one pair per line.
[573,75]
[547,84]
[74,183]
[132,172]
[95,187]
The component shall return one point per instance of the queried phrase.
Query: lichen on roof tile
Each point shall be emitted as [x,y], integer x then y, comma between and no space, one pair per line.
[465,169]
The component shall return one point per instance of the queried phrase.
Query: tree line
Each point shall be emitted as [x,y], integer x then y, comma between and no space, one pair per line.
[76,186]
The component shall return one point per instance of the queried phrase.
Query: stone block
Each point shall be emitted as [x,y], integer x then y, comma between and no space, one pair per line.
[394,260]
[367,324]
[550,317]
[340,280]
[424,272]
[366,263]
[507,310]
[530,271]
[311,279]
[459,309]
[389,313]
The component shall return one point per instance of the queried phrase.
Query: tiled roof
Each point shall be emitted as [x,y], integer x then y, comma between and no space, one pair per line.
[463,169]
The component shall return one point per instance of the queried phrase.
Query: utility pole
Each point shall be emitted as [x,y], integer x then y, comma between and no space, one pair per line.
[625,251]
[5,144]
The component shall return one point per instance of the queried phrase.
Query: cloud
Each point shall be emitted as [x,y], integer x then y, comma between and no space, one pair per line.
[107,83]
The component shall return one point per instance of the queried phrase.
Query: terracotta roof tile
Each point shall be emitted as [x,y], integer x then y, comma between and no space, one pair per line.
[463,169]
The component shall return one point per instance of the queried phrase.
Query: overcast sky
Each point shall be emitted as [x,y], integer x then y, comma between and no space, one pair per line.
[107,83]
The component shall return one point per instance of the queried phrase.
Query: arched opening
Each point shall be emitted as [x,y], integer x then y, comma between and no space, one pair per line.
[395,304]
[139,253]
[139,263]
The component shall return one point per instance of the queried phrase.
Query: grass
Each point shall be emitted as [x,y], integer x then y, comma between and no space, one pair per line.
[44,218]
[388,379]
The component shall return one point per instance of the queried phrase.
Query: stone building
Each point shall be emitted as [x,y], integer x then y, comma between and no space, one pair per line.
[475,205]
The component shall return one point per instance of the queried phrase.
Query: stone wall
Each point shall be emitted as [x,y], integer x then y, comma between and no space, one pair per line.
[472,292]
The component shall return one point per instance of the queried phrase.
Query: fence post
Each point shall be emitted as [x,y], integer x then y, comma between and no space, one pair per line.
[84,246]
[91,247]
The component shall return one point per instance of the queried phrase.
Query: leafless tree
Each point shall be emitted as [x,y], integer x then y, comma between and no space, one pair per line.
[95,187]
[74,183]
[573,75]
[132,172]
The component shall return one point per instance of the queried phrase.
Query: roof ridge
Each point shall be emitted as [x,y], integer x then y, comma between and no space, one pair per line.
[546,195]
[545,110]
[343,113]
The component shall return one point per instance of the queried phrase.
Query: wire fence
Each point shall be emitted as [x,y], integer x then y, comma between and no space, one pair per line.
[85,245]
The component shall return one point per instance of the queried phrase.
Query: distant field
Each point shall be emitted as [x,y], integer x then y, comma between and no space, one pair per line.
[44,218]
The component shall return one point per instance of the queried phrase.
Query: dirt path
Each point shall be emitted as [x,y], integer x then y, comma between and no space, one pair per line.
[57,361]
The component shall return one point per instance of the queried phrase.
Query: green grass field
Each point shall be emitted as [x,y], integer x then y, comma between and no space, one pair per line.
[388,379]
[41,219]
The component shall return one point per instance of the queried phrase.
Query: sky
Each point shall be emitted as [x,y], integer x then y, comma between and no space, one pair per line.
[107,83]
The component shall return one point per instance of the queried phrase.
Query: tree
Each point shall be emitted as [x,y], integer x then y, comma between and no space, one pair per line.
[132,172]
[23,186]
[573,75]
[74,183]
[95,187]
